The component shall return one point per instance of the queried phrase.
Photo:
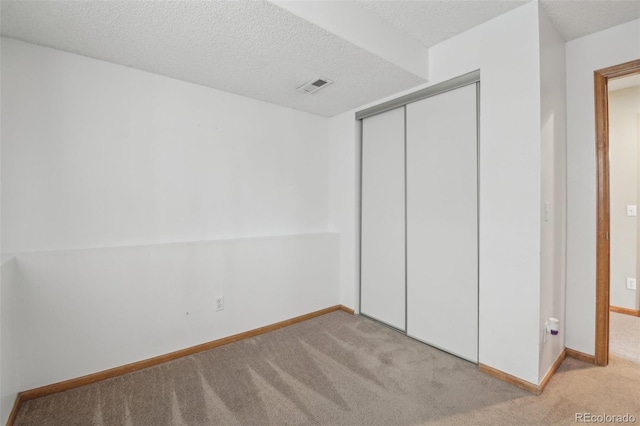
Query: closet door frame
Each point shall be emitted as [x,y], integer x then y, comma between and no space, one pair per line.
[402,101]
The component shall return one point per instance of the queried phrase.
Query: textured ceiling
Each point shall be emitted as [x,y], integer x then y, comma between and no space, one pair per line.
[434,21]
[255,49]
[577,18]
[259,50]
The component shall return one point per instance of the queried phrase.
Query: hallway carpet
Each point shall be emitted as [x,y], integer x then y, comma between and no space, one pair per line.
[336,369]
[624,337]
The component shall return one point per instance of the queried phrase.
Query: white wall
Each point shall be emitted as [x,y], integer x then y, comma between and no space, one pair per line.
[83,311]
[624,113]
[553,201]
[585,55]
[9,385]
[99,155]
[110,174]
[506,52]
[344,201]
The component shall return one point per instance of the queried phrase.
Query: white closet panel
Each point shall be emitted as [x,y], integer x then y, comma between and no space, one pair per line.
[382,281]
[442,222]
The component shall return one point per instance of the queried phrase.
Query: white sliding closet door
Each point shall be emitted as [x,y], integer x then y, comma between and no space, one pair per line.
[382,281]
[442,222]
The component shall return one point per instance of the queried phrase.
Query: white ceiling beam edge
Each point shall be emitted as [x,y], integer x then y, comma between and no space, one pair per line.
[356,25]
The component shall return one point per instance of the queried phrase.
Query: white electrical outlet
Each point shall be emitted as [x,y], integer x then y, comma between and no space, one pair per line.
[219,303]
[631,283]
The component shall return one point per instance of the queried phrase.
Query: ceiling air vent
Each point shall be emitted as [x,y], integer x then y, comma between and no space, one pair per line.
[314,85]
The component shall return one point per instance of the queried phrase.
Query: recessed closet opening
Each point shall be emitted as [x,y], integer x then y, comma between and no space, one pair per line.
[419,256]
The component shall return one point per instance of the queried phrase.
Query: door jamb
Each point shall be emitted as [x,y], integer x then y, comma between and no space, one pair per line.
[601,80]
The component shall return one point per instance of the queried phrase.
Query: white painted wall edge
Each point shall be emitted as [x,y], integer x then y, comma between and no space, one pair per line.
[553,191]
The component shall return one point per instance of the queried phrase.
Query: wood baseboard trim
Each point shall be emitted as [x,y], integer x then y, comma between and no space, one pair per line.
[346,309]
[581,356]
[14,411]
[523,384]
[506,377]
[626,311]
[552,370]
[139,365]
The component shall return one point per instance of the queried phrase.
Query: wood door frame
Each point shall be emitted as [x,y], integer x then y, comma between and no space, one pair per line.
[601,79]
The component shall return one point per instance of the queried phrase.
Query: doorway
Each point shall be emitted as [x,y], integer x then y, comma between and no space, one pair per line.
[601,80]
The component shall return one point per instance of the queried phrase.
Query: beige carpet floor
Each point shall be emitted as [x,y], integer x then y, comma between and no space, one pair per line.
[624,337]
[336,369]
